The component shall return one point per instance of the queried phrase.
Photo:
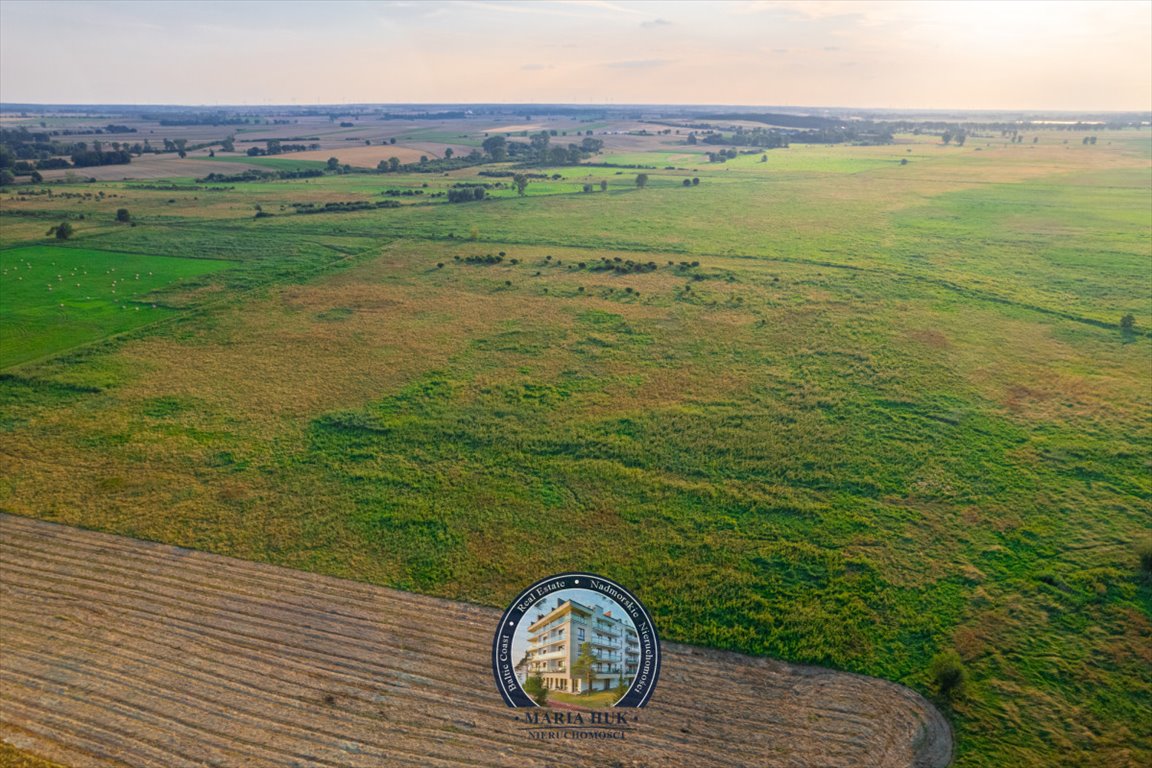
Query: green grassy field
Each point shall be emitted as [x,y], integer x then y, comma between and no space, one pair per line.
[457,138]
[590,701]
[58,298]
[890,413]
[274,163]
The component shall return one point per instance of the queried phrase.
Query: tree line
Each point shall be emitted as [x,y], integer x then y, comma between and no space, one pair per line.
[862,134]
[254,175]
[23,152]
[540,150]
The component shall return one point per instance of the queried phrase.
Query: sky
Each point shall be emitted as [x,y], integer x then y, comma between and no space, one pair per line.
[936,54]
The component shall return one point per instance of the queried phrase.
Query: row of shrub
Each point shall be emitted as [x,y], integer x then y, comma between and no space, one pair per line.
[487,258]
[254,175]
[344,207]
[466,195]
[510,174]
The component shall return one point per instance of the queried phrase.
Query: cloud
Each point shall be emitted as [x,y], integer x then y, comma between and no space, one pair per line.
[536,67]
[820,9]
[599,4]
[398,11]
[571,9]
[534,10]
[638,64]
[655,23]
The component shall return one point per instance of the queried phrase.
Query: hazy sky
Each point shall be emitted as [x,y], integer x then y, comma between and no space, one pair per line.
[935,54]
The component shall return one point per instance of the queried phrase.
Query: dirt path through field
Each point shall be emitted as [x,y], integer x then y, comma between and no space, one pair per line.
[116,652]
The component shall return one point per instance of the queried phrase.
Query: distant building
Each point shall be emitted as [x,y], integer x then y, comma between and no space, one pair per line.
[554,642]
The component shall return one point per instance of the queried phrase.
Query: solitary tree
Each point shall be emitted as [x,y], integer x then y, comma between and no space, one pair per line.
[641,180]
[333,164]
[123,216]
[623,686]
[603,185]
[585,666]
[534,687]
[496,147]
[63,230]
[948,673]
[1144,554]
[1128,323]
[539,143]
[521,182]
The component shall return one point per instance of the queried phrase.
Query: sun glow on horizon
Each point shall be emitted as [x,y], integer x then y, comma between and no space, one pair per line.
[1089,56]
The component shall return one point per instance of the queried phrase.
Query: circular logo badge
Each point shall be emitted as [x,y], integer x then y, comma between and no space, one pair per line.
[576,641]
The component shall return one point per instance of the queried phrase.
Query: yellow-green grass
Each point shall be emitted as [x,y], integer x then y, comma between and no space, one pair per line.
[1027,229]
[455,138]
[890,413]
[690,156]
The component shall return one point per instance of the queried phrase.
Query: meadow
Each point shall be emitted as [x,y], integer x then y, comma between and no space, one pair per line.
[59,298]
[889,413]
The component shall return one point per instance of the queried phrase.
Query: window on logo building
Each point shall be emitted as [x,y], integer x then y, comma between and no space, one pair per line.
[579,633]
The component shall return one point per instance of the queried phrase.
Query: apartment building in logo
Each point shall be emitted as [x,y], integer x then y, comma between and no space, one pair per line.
[555,640]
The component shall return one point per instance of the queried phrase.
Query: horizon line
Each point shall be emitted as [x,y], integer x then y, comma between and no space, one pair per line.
[9,105]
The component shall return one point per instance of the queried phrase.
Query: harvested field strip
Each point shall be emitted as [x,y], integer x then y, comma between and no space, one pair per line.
[119,652]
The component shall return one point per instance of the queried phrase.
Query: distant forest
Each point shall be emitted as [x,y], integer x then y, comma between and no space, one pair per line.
[24,152]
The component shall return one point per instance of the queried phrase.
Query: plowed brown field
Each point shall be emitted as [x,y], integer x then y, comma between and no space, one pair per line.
[116,652]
